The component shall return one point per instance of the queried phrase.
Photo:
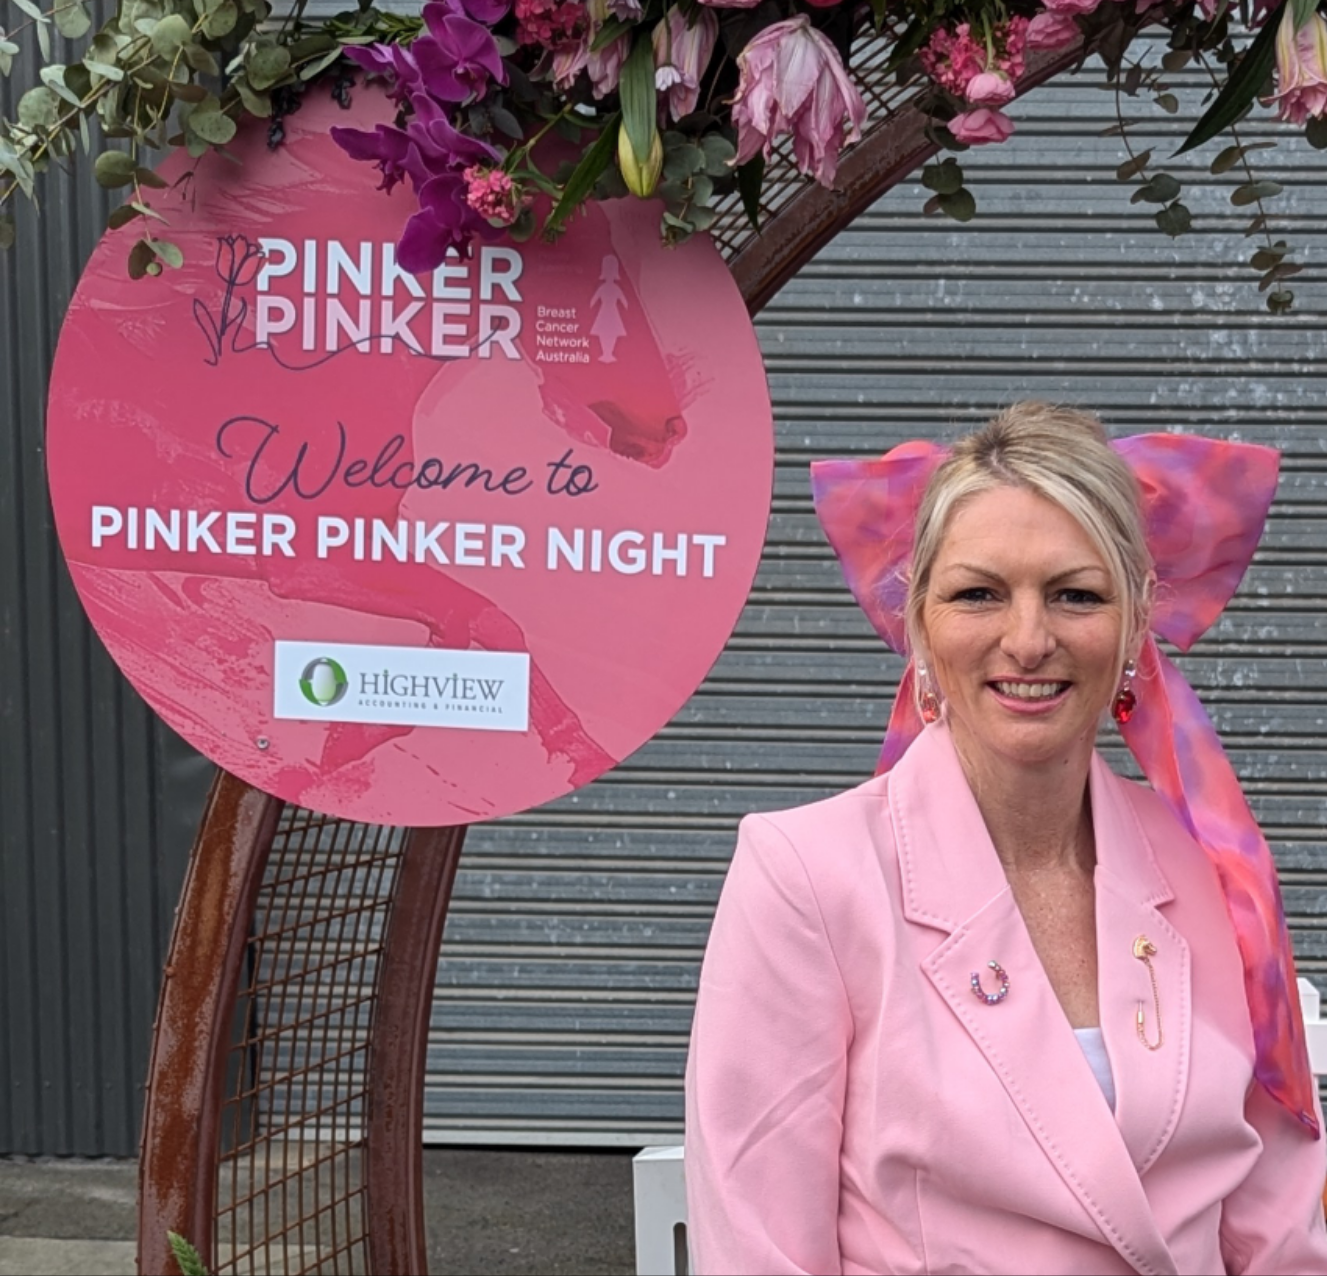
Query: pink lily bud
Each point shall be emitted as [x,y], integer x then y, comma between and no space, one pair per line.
[1052,31]
[681,54]
[990,88]
[980,126]
[605,65]
[792,80]
[1301,68]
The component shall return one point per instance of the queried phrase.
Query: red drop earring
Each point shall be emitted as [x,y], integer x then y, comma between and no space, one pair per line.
[1123,705]
[928,702]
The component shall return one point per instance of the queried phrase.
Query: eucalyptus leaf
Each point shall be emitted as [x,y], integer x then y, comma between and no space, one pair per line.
[210,126]
[1316,133]
[1266,258]
[221,19]
[7,51]
[201,60]
[1131,168]
[72,20]
[26,6]
[1252,192]
[38,108]
[104,69]
[681,161]
[113,169]
[186,91]
[702,191]
[1175,219]
[169,253]
[259,104]
[170,35]
[944,178]
[506,122]
[146,209]
[719,153]
[53,76]
[1281,301]
[1232,155]
[703,218]
[84,134]
[122,216]
[153,181]
[267,63]
[44,41]
[960,205]
[1168,102]
[141,257]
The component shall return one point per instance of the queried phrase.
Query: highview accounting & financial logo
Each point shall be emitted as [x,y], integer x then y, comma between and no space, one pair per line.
[402,686]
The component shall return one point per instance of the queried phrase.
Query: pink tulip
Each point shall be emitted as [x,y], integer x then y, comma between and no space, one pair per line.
[1053,30]
[990,88]
[792,80]
[604,66]
[681,54]
[980,126]
[1301,68]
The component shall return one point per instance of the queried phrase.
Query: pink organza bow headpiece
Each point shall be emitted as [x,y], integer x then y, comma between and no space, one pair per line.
[1205,503]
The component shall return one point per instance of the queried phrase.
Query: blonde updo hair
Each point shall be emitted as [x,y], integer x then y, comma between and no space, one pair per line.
[1060,454]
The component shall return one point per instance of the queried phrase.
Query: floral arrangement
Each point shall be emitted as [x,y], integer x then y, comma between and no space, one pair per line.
[511,113]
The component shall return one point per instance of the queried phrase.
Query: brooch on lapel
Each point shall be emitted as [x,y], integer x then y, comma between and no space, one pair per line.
[991,998]
[1144,949]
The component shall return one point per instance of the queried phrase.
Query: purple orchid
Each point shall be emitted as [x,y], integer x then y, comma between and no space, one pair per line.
[440,147]
[445,220]
[486,11]
[387,147]
[392,61]
[458,58]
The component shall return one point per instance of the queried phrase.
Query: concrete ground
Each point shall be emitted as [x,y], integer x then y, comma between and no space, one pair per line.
[507,1212]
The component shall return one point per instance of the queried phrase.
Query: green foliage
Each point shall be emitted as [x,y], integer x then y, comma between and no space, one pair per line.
[186,1256]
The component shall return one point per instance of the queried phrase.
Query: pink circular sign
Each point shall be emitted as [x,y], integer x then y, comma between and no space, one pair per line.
[409,550]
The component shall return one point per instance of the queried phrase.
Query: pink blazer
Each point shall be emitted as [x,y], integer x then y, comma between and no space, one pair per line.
[852,1107]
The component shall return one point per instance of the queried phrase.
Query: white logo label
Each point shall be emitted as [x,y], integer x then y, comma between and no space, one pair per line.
[402,686]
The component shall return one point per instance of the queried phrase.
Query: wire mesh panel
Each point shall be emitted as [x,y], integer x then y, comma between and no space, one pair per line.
[290,1193]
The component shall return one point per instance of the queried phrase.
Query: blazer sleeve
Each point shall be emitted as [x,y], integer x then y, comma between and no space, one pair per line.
[1272,1224]
[767,1072]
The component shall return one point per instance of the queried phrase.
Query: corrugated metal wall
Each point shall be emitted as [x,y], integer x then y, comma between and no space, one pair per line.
[571,954]
[572,950]
[98,800]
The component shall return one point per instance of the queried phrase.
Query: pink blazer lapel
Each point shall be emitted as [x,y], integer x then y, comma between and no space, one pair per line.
[952,882]
[1131,890]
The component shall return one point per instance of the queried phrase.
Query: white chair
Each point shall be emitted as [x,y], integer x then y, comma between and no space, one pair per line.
[661,1190]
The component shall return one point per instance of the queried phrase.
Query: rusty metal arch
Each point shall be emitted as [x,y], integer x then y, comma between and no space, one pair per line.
[277,898]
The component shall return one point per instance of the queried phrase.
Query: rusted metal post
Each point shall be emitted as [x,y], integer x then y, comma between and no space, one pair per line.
[407,971]
[181,1135]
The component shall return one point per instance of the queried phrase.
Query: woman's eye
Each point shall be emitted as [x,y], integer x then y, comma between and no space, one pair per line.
[977,594]
[1081,598]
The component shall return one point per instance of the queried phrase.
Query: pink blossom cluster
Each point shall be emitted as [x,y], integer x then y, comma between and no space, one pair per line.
[982,72]
[551,23]
[492,194]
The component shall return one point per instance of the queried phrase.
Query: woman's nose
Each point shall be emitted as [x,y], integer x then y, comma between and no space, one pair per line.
[1028,638]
